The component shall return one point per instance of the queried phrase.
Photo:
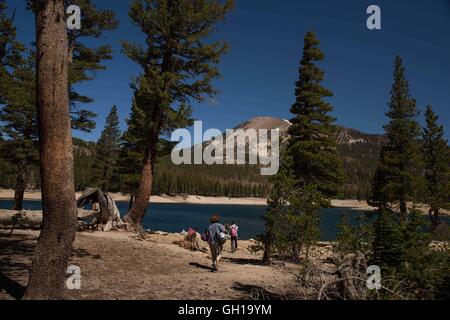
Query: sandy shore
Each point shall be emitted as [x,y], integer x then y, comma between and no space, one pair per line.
[118,265]
[352,204]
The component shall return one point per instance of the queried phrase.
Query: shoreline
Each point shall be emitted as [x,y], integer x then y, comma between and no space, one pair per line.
[357,205]
[8,194]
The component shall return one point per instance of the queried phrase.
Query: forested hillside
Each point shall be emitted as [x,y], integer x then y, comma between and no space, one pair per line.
[358,150]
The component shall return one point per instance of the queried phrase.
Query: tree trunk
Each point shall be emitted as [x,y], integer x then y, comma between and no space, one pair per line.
[267,253]
[403,210]
[434,218]
[19,189]
[136,215]
[130,204]
[48,272]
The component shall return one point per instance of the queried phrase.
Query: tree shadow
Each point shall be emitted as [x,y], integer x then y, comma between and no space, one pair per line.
[16,255]
[11,287]
[15,262]
[257,292]
[82,253]
[242,261]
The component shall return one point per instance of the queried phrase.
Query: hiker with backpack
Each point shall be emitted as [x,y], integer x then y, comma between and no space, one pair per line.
[234,236]
[216,237]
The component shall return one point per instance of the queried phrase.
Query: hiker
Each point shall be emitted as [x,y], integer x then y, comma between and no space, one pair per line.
[216,238]
[234,236]
[227,227]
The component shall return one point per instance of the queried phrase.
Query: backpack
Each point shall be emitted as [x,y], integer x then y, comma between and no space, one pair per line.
[222,237]
[234,232]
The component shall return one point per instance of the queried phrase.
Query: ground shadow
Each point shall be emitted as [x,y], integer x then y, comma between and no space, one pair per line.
[82,253]
[16,254]
[11,287]
[257,292]
[15,259]
[200,266]
[255,262]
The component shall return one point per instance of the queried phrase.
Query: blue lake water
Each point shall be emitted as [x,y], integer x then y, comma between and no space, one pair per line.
[176,217]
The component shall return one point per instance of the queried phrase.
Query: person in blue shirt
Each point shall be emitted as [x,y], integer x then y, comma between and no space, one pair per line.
[215,234]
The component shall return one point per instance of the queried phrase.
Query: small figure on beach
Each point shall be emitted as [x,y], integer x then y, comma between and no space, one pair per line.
[234,228]
[216,236]
[227,226]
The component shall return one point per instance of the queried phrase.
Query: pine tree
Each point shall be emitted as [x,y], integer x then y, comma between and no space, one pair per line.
[312,143]
[131,152]
[20,123]
[436,154]
[17,114]
[85,61]
[396,180]
[388,245]
[311,172]
[282,184]
[178,68]
[107,152]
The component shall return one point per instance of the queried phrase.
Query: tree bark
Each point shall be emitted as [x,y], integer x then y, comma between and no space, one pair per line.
[19,189]
[48,272]
[136,215]
[130,203]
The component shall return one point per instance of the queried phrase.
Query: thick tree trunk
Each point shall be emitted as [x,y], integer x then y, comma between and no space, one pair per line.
[136,215]
[19,189]
[48,272]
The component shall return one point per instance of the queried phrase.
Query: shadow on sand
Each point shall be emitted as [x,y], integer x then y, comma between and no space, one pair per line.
[200,266]
[16,255]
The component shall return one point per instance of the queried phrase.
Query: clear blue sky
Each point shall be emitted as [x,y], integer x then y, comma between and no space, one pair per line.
[266,38]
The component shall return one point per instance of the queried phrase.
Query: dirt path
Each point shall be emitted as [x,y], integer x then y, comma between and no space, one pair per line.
[118,266]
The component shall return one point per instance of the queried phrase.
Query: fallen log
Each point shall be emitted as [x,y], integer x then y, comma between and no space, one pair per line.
[108,217]
[33,219]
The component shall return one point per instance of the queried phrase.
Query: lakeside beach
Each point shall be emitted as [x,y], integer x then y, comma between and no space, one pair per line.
[8,194]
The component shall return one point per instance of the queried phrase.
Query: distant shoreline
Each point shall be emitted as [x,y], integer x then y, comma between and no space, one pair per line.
[357,205]
[8,194]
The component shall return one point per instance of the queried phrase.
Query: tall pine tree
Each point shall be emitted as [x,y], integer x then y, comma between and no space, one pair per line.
[20,123]
[18,93]
[178,67]
[436,154]
[107,153]
[15,91]
[131,153]
[315,173]
[397,177]
[312,143]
